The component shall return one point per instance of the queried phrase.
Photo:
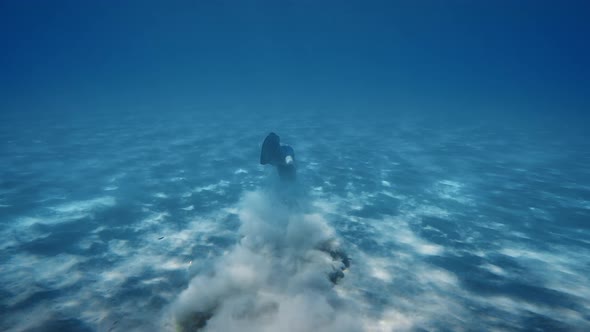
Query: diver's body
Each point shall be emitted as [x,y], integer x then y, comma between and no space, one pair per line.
[280,156]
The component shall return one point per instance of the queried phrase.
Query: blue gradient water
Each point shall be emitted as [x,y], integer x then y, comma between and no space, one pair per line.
[442,147]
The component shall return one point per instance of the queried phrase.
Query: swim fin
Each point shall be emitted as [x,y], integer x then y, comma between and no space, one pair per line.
[271,150]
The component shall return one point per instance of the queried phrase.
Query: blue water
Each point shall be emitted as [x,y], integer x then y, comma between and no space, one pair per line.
[442,167]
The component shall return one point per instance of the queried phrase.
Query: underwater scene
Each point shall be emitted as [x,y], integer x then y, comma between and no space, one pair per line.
[294,166]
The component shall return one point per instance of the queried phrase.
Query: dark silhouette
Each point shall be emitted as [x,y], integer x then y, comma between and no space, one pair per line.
[280,156]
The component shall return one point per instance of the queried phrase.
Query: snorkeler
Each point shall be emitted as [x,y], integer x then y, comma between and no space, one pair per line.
[280,156]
